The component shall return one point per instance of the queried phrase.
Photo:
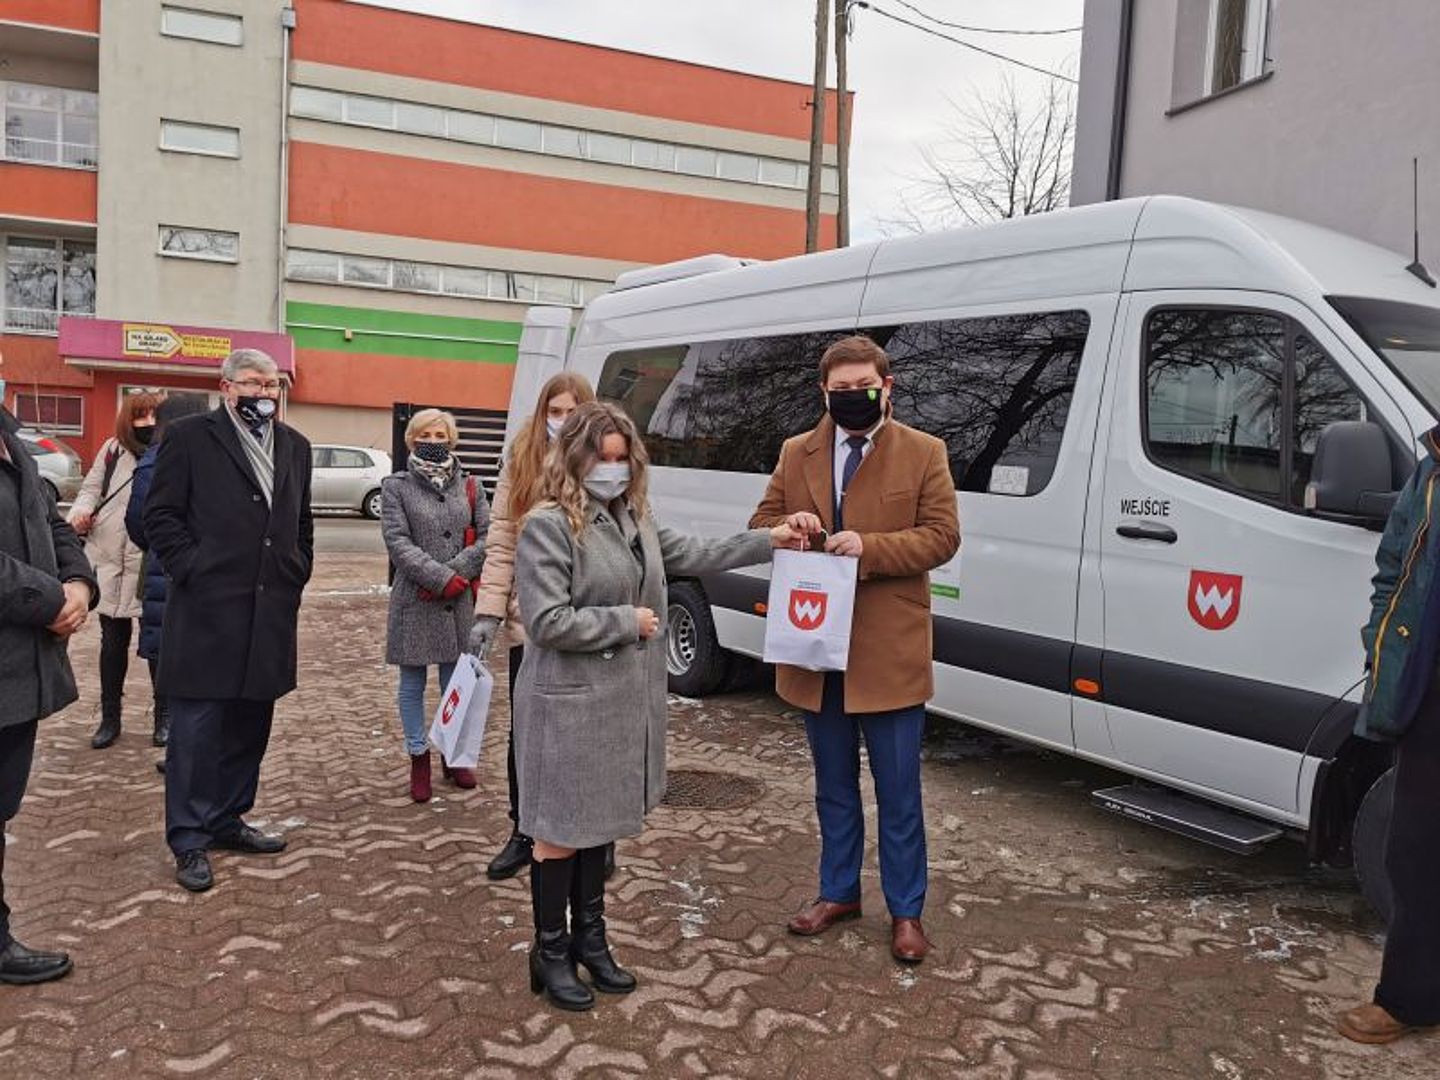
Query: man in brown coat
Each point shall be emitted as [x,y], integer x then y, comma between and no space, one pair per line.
[880,492]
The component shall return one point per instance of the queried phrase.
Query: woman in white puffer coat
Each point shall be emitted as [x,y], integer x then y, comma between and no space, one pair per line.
[98,515]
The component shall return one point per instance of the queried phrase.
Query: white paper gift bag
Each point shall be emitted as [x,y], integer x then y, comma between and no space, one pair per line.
[459,724]
[812,602]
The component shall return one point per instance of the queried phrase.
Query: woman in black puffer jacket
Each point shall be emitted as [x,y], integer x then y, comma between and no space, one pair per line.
[153,582]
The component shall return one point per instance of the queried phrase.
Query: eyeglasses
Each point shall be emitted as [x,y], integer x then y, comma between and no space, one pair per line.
[270,387]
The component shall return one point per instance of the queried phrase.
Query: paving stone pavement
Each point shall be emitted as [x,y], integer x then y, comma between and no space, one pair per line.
[1069,943]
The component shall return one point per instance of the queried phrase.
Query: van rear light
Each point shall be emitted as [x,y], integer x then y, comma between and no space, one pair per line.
[48,445]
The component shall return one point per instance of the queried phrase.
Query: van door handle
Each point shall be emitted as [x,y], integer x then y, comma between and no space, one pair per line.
[1161,533]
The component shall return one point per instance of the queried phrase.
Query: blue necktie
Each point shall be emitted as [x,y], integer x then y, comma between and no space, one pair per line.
[857,455]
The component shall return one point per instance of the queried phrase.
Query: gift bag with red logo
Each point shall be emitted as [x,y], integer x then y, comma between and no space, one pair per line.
[459,724]
[812,600]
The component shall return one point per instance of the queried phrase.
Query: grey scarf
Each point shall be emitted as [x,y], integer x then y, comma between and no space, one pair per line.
[259,452]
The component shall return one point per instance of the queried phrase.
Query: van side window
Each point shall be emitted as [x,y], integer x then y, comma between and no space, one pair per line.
[1322,397]
[1238,399]
[1215,383]
[997,390]
[723,405]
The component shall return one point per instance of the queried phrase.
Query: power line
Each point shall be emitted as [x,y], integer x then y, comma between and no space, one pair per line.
[961,42]
[987,29]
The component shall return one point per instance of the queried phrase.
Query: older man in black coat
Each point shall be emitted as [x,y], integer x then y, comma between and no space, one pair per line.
[46,590]
[228,514]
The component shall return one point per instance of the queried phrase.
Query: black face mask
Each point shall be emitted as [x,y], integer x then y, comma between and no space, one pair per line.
[436,453]
[143,435]
[856,410]
[255,410]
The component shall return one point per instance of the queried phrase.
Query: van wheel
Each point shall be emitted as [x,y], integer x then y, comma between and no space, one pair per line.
[693,656]
[1372,827]
[371,506]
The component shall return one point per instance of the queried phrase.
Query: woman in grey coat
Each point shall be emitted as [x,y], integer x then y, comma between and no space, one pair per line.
[590,704]
[433,518]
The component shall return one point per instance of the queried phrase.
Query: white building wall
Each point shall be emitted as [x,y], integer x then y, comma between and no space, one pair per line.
[1327,137]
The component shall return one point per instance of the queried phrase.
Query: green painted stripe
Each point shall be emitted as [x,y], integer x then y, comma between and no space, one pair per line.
[395,333]
[949,592]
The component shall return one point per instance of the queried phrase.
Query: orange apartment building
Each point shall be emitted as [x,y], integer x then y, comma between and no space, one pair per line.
[387,191]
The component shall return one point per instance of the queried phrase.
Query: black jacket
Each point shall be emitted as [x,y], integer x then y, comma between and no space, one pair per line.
[236,566]
[38,552]
[154,584]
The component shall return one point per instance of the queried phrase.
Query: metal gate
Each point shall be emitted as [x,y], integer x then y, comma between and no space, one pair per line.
[482,437]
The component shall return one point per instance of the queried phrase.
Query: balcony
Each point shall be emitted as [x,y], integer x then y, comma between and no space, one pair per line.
[49,125]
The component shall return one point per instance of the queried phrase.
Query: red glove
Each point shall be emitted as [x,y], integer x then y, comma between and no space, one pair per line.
[457,586]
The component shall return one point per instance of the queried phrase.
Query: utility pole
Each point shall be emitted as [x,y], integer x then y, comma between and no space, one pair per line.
[817,126]
[842,124]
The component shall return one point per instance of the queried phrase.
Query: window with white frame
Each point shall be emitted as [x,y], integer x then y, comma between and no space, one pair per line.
[1236,43]
[512,133]
[54,414]
[206,139]
[44,279]
[211,245]
[215,27]
[50,125]
[402,275]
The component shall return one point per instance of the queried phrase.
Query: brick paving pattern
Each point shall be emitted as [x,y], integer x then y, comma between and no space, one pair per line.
[1068,943]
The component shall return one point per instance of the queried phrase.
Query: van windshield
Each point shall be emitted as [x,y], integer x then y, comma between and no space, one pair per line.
[1407,336]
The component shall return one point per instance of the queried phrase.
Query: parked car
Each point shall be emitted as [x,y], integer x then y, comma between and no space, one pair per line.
[59,464]
[348,478]
[1175,430]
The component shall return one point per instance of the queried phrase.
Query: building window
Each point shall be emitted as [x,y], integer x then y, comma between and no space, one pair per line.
[471,282]
[54,414]
[204,139]
[1236,42]
[50,124]
[211,245]
[211,26]
[45,279]
[411,118]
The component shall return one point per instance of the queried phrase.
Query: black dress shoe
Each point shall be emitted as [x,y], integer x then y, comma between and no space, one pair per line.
[106,734]
[192,870]
[20,966]
[513,857]
[251,841]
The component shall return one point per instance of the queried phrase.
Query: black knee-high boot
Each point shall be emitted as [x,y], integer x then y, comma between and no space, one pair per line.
[552,969]
[587,924]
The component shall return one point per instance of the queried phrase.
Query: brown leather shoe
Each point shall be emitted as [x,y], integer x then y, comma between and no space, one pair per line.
[1370,1024]
[820,916]
[908,943]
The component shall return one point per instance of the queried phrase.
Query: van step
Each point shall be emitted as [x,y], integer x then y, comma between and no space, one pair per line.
[1181,814]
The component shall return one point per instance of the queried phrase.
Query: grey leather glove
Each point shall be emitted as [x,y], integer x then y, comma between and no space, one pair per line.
[482,634]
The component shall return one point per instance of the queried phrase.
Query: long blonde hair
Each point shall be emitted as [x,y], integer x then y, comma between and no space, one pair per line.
[578,448]
[526,463]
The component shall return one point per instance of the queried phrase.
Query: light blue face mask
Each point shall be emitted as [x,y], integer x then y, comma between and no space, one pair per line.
[608,480]
[553,426]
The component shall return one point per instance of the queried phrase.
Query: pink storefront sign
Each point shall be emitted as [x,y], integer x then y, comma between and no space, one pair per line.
[154,346]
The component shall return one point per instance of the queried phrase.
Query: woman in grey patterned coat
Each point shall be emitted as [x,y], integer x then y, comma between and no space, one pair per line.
[590,704]
[433,518]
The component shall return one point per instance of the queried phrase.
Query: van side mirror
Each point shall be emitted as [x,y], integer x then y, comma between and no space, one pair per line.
[1350,476]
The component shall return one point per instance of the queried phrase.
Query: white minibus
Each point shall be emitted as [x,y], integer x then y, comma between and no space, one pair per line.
[1175,429]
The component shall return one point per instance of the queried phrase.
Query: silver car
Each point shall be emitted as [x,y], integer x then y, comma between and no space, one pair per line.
[59,465]
[348,478]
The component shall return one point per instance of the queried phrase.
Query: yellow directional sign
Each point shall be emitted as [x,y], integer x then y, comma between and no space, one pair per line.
[147,339]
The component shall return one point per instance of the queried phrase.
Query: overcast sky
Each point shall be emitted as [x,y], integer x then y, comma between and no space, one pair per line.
[904,80]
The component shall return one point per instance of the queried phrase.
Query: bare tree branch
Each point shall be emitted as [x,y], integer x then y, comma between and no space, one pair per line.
[1001,157]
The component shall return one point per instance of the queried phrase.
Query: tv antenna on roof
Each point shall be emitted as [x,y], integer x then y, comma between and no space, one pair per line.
[1417,267]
